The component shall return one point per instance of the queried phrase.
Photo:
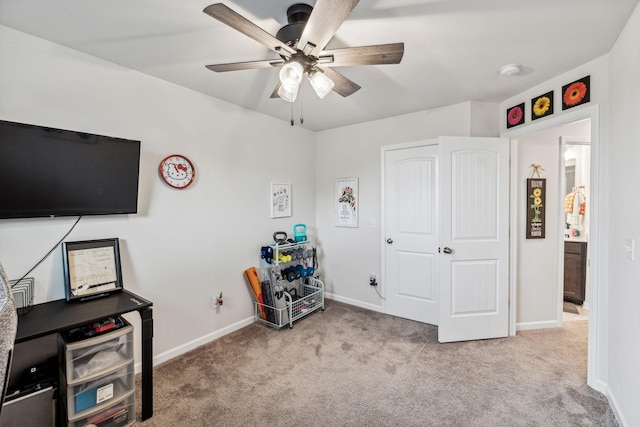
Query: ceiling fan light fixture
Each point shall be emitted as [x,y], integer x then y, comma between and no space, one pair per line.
[320,83]
[291,74]
[288,94]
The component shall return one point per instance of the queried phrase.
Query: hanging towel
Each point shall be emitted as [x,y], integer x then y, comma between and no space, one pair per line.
[575,204]
[568,202]
[579,203]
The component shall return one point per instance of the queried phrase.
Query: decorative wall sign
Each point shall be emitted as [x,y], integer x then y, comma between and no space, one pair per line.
[542,106]
[515,115]
[576,93]
[280,200]
[535,207]
[347,202]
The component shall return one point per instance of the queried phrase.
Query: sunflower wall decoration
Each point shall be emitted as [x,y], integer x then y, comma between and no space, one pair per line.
[535,208]
[576,93]
[515,115]
[542,106]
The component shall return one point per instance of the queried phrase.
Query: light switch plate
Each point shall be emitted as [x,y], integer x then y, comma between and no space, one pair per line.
[630,248]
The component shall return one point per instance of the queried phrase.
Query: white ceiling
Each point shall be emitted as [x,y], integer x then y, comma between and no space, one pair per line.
[453,48]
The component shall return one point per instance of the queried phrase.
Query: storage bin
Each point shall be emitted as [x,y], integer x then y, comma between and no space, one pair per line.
[311,299]
[97,377]
[86,395]
[119,414]
[89,358]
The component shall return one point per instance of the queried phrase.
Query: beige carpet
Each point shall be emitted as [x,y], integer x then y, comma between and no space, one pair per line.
[348,366]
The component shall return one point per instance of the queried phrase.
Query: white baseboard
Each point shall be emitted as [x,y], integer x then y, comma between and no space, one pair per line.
[357,303]
[177,351]
[614,406]
[546,324]
[599,385]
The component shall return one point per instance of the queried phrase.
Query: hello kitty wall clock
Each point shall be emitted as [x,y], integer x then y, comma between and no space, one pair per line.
[177,171]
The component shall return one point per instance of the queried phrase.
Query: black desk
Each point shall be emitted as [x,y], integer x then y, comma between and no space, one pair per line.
[56,316]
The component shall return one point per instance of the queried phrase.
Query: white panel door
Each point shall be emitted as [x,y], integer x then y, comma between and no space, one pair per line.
[474,228]
[411,233]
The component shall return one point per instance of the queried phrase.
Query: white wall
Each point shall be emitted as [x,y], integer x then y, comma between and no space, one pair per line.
[624,274]
[349,255]
[182,247]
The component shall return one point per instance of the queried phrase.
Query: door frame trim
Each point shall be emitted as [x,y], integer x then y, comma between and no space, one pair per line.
[594,276]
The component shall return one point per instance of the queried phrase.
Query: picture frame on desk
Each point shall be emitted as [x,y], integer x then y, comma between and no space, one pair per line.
[91,268]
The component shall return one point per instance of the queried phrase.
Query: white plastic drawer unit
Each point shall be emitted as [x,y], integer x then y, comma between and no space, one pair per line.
[88,397]
[121,413]
[92,358]
[97,378]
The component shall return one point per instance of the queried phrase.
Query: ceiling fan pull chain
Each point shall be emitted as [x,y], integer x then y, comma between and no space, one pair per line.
[301,118]
[292,114]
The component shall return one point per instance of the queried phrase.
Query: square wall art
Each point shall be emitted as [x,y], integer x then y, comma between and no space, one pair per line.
[542,106]
[576,93]
[515,115]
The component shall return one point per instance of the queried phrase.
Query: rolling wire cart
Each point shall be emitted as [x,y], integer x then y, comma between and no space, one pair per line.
[291,288]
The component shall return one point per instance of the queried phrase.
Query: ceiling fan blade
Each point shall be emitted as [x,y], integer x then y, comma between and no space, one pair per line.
[365,55]
[274,94]
[343,85]
[248,65]
[324,21]
[231,18]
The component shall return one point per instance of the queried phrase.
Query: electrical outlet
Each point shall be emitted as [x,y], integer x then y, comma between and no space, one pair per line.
[217,301]
[372,280]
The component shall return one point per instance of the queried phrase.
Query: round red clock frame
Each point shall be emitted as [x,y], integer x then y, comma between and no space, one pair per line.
[177,171]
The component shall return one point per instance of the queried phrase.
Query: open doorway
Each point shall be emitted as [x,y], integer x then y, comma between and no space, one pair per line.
[526,307]
[539,259]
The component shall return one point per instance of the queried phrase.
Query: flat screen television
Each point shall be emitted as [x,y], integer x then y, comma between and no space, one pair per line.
[47,172]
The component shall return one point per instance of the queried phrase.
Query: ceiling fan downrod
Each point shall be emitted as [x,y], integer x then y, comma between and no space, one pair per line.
[297,16]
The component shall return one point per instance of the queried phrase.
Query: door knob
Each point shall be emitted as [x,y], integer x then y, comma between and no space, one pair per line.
[390,241]
[447,250]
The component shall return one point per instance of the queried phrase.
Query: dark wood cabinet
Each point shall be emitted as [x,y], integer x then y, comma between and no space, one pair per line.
[575,271]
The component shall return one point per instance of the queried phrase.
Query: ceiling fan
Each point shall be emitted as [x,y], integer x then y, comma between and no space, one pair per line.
[301,47]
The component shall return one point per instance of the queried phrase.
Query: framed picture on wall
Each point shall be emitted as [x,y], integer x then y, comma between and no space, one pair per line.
[347,202]
[576,93]
[542,106]
[536,189]
[515,115]
[280,200]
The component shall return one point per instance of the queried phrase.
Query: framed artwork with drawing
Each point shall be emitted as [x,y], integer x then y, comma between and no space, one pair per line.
[280,200]
[91,268]
[347,202]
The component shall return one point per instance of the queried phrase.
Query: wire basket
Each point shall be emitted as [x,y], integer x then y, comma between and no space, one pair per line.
[301,300]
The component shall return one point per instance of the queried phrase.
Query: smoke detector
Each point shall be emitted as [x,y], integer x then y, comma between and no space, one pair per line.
[509,70]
